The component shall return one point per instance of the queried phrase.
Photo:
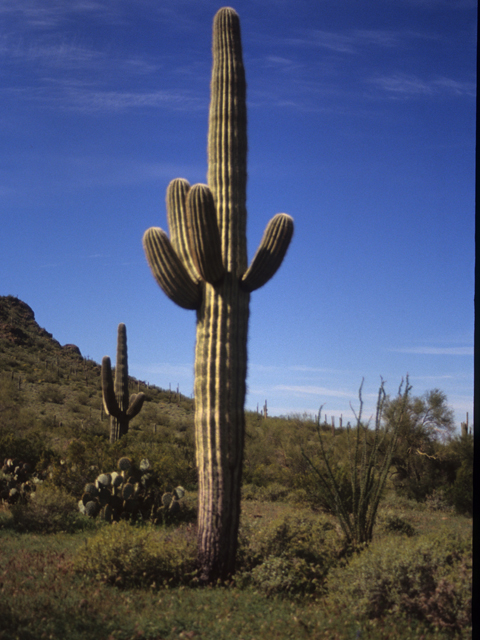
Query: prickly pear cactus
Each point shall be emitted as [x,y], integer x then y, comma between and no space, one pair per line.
[116,401]
[203,266]
[17,481]
[132,494]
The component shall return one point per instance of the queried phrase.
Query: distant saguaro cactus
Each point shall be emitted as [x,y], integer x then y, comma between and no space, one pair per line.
[116,401]
[203,266]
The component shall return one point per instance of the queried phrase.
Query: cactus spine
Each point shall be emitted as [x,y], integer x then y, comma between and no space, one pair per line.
[116,401]
[203,266]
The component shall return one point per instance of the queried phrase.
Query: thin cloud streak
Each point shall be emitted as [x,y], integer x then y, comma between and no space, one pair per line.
[436,351]
[312,390]
[354,40]
[122,101]
[402,85]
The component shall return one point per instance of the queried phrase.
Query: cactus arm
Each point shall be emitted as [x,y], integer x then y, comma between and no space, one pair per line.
[136,403]
[270,253]
[108,390]
[203,234]
[169,271]
[177,193]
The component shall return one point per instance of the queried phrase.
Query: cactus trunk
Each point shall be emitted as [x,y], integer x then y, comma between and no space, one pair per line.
[116,401]
[222,320]
[119,423]
[204,267]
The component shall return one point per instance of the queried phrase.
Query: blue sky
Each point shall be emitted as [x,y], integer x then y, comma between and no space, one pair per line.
[361,121]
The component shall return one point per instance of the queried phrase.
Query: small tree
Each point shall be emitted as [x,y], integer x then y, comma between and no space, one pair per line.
[419,459]
[370,456]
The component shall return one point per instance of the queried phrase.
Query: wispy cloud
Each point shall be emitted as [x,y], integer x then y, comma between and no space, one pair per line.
[174,371]
[88,98]
[404,86]
[313,390]
[297,368]
[48,14]
[95,100]
[353,41]
[57,53]
[436,351]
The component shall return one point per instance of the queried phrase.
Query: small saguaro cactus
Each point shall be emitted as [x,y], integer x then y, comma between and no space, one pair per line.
[203,266]
[116,401]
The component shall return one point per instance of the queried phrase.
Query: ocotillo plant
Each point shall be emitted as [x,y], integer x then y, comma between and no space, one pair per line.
[203,266]
[116,401]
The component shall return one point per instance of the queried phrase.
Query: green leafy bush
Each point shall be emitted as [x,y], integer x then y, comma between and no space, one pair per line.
[460,495]
[437,501]
[49,510]
[273,492]
[284,576]
[397,524]
[428,579]
[460,492]
[289,556]
[133,556]
[31,449]
[51,393]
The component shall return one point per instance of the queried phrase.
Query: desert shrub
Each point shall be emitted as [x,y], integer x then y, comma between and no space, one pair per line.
[422,460]
[48,510]
[133,556]
[437,501]
[273,492]
[427,578]
[31,449]
[397,524]
[460,494]
[289,555]
[51,393]
[83,398]
[284,576]
[353,490]
[80,464]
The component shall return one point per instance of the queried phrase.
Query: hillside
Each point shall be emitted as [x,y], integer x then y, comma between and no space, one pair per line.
[52,388]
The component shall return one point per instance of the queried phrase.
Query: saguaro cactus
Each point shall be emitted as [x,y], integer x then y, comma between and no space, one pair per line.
[203,266]
[116,401]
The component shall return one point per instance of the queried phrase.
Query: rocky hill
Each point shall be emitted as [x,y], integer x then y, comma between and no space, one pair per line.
[55,390]
[19,327]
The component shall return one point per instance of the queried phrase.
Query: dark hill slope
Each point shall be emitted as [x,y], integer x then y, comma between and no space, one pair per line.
[49,387]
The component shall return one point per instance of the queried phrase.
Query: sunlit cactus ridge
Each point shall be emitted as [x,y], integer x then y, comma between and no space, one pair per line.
[203,266]
[116,399]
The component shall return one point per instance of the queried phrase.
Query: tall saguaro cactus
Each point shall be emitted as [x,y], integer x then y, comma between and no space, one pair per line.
[116,401]
[203,266]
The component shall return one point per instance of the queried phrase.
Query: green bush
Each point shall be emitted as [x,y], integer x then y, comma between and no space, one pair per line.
[51,393]
[289,555]
[49,510]
[397,524]
[286,577]
[460,492]
[133,556]
[427,578]
[460,495]
[273,492]
[31,449]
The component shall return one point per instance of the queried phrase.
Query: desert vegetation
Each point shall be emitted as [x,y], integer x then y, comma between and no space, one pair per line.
[128,512]
[65,574]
